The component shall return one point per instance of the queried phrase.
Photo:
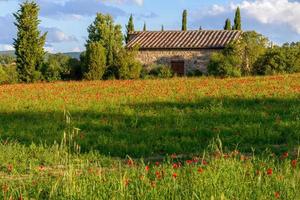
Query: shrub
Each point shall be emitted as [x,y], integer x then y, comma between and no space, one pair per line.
[195,72]
[8,74]
[128,66]
[95,61]
[224,66]
[161,71]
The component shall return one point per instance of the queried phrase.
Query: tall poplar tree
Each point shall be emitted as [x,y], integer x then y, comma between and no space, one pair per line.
[162,28]
[184,20]
[129,28]
[29,44]
[145,27]
[227,24]
[237,20]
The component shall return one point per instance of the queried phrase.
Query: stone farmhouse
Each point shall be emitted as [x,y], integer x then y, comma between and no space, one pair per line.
[183,51]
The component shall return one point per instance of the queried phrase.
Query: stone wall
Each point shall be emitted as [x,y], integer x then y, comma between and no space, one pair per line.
[193,59]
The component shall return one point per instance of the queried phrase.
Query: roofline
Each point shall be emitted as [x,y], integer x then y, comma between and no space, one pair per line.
[135,32]
[182,48]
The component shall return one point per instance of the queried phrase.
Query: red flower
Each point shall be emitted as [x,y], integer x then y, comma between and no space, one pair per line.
[285,155]
[42,168]
[175,166]
[147,168]
[195,160]
[294,163]
[277,195]
[200,170]
[174,175]
[9,168]
[157,164]
[189,162]
[158,175]
[129,162]
[270,171]
[173,156]
[204,162]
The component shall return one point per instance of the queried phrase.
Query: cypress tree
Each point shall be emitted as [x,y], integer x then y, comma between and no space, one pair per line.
[129,28]
[227,24]
[95,65]
[145,27]
[162,28]
[29,44]
[237,20]
[184,20]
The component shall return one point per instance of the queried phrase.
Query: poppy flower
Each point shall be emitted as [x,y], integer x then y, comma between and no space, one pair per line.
[157,164]
[204,162]
[200,170]
[175,166]
[174,175]
[158,175]
[277,195]
[189,162]
[270,171]
[294,163]
[147,168]
[129,162]
[285,155]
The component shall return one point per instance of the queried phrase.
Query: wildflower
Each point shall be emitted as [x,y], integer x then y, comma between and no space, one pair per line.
[130,162]
[270,171]
[41,168]
[200,170]
[277,195]
[204,162]
[294,163]
[157,164]
[158,175]
[189,162]
[147,168]
[174,175]
[195,160]
[126,182]
[9,168]
[175,166]
[285,155]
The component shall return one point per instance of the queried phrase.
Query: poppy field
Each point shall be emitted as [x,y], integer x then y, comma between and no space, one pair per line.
[180,138]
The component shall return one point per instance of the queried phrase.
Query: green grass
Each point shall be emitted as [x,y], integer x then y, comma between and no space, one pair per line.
[203,120]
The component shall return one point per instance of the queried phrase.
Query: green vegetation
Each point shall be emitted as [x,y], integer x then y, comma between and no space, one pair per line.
[184,20]
[130,28]
[29,45]
[145,27]
[237,20]
[227,24]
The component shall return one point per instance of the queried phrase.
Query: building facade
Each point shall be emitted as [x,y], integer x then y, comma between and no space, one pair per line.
[183,51]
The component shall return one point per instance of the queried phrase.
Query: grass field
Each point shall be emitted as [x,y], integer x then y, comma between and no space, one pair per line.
[202,138]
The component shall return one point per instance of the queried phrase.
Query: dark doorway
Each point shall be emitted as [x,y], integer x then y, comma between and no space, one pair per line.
[178,67]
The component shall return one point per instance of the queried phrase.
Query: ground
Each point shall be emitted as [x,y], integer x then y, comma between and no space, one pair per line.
[201,138]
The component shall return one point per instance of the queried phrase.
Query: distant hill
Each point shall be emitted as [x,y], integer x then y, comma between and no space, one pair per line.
[71,54]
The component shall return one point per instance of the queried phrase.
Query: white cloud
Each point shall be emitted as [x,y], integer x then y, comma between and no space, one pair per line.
[139,2]
[55,35]
[6,47]
[76,49]
[266,11]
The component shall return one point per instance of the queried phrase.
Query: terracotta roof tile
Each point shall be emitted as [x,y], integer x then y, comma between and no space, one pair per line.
[204,39]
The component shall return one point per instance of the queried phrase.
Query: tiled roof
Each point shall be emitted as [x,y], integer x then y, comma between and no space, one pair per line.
[201,39]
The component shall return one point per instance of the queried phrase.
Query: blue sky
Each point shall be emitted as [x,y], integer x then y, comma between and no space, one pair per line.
[66,21]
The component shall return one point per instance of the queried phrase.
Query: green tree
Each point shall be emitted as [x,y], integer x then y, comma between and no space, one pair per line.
[145,27]
[237,20]
[227,24]
[162,28]
[29,44]
[129,28]
[129,67]
[95,61]
[109,35]
[184,20]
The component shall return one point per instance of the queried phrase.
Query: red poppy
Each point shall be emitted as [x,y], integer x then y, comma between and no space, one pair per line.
[285,155]
[157,164]
[294,163]
[147,168]
[204,162]
[277,195]
[200,170]
[9,168]
[175,166]
[174,175]
[129,162]
[270,171]
[189,162]
[158,175]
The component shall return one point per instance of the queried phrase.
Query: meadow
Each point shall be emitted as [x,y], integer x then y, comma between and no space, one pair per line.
[180,138]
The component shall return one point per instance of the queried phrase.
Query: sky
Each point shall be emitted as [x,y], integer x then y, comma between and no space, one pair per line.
[66,21]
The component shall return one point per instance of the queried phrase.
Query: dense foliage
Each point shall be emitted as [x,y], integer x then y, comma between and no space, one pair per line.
[29,45]
[227,24]
[237,20]
[252,54]
[130,28]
